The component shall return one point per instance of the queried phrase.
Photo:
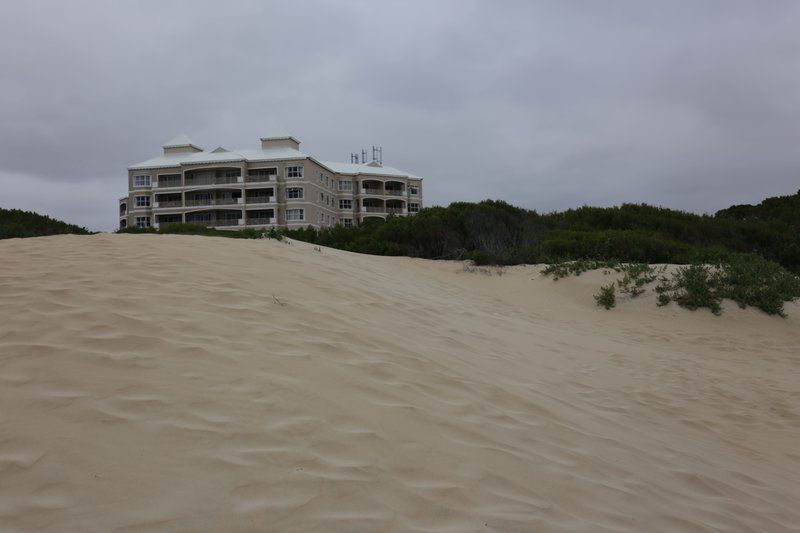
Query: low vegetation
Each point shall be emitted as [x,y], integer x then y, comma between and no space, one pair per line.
[15,223]
[199,229]
[494,232]
[606,297]
[563,269]
[748,280]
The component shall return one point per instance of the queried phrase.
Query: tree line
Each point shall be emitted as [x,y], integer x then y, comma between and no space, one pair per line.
[495,232]
[15,223]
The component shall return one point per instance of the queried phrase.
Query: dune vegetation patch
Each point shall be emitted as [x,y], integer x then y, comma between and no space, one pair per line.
[747,279]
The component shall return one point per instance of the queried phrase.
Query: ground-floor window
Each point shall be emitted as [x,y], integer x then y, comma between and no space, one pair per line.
[142,222]
[295,214]
[413,208]
[346,222]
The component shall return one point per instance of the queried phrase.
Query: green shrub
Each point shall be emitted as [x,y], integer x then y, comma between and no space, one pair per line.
[606,297]
[199,229]
[15,223]
[637,276]
[748,280]
[479,257]
[576,268]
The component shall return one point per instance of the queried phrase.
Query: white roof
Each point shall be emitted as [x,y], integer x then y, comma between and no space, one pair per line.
[180,141]
[176,160]
[280,153]
[366,168]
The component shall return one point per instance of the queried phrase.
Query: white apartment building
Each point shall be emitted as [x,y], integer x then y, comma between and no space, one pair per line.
[276,185]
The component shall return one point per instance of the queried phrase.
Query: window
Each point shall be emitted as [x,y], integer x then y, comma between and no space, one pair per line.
[142,201]
[232,173]
[326,181]
[322,197]
[347,222]
[320,217]
[142,180]
[345,204]
[345,185]
[413,208]
[142,222]
[294,172]
[295,214]
[413,189]
[294,192]
[321,177]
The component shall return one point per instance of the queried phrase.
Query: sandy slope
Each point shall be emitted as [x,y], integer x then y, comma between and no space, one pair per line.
[153,383]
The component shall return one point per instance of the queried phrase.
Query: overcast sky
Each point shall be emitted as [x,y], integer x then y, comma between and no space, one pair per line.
[548,105]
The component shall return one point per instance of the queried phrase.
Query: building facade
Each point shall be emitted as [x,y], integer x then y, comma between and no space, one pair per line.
[274,186]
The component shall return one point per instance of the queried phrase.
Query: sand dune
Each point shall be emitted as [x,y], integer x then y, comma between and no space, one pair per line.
[176,383]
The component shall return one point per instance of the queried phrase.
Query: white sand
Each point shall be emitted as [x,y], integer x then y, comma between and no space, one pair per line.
[152,383]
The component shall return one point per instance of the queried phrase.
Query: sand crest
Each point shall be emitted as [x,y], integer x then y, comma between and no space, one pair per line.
[178,383]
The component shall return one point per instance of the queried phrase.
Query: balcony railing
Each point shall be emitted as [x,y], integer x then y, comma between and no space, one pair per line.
[218,222]
[260,221]
[164,182]
[261,179]
[260,199]
[208,180]
[372,191]
[170,203]
[395,192]
[212,201]
[374,209]
[395,210]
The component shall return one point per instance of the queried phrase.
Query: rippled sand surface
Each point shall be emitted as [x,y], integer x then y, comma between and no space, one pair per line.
[178,383]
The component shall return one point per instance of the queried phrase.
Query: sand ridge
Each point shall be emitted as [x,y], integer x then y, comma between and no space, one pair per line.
[178,383]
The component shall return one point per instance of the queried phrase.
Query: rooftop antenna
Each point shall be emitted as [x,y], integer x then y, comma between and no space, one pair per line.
[354,157]
[364,155]
[377,154]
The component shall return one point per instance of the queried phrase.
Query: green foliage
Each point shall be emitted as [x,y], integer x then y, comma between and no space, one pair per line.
[576,268]
[747,279]
[630,233]
[479,257]
[15,223]
[693,287]
[637,276]
[199,229]
[606,297]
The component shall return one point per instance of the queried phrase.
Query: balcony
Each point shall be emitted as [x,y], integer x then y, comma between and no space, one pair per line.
[260,221]
[262,179]
[212,201]
[163,183]
[395,192]
[217,222]
[373,209]
[260,199]
[378,192]
[396,210]
[208,180]
[167,205]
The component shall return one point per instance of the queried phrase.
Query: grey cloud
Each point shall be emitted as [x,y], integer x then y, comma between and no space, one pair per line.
[693,105]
